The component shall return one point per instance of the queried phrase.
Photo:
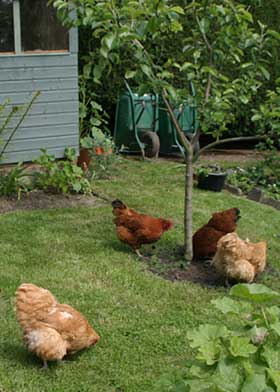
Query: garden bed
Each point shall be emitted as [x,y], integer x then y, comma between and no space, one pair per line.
[41,200]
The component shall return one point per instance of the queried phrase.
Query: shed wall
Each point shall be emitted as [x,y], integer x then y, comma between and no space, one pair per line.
[53,121]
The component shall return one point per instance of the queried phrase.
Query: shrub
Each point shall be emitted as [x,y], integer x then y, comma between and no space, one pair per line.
[61,176]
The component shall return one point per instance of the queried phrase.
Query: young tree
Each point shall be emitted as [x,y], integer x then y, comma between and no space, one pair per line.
[166,45]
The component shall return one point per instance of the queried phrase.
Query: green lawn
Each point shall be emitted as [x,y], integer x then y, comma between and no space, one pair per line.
[142,319]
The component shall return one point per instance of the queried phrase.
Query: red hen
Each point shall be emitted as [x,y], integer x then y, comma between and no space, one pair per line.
[136,229]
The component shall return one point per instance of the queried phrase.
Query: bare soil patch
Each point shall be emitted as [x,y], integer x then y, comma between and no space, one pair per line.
[41,200]
[173,267]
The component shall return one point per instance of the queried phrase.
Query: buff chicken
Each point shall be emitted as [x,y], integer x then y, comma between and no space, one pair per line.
[50,329]
[239,260]
[136,229]
[205,239]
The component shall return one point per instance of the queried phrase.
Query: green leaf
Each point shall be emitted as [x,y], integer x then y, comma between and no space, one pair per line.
[109,40]
[186,65]
[205,333]
[178,10]
[274,313]
[147,70]
[272,357]
[276,327]
[130,74]
[274,375]
[229,305]
[209,352]
[254,292]
[256,117]
[265,72]
[241,347]
[197,386]
[247,16]
[274,34]
[227,376]
[256,383]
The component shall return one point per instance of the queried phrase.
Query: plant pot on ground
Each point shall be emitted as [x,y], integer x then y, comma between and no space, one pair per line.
[97,144]
[211,178]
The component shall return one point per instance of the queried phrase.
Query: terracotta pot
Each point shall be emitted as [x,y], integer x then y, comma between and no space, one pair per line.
[84,158]
[100,151]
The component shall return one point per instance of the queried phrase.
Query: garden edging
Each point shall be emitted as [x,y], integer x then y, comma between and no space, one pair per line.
[256,194]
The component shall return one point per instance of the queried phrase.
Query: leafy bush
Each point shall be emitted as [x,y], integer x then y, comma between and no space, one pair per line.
[61,176]
[242,358]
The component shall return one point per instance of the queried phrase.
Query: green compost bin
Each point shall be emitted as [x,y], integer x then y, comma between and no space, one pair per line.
[136,123]
[187,118]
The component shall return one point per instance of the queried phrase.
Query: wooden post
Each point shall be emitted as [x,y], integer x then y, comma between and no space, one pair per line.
[17,26]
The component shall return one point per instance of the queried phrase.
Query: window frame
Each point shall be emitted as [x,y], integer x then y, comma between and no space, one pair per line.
[72,44]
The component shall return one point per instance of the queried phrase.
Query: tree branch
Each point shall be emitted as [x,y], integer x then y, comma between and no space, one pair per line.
[186,143]
[232,139]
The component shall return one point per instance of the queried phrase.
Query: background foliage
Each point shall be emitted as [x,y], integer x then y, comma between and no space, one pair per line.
[107,51]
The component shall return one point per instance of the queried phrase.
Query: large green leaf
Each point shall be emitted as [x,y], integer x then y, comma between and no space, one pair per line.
[206,333]
[254,292]
[274,375]
[209,352]
[272,357]
[241,347]
[274,313]
[229,305]
[227,376]
[276,327]
[256,383]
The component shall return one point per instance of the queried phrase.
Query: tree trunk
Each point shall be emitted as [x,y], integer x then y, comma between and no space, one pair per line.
[188,248]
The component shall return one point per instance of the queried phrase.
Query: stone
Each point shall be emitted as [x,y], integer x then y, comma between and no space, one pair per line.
[255,194]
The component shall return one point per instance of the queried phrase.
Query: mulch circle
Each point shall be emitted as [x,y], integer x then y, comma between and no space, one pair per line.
[198,271]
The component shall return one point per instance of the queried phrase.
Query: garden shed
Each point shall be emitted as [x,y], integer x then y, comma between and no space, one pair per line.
[38,54]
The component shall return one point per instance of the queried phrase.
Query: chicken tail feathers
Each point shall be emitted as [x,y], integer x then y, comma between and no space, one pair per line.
[118,204]
[33,303]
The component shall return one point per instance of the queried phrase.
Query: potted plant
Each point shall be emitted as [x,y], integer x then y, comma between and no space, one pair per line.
[211,178]
[96,144]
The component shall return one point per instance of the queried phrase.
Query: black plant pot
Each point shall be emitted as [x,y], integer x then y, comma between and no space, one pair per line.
[212,181]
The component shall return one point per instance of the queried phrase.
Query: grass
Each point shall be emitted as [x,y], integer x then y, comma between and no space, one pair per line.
[142,319]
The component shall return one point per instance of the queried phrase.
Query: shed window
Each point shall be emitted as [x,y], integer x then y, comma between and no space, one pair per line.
[31,26]
[6,26]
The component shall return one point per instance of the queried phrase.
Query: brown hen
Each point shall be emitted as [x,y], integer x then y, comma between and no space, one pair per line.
[50,329]
[205,239]
[136,229]
[239,260]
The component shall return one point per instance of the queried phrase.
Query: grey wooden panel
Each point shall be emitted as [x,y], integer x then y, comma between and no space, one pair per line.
[30,155]
[42,131]
[38,73]
[43,142]
[45,96]
[40,84]
[52,108]
[48,119]
[73,40]
[37,60]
